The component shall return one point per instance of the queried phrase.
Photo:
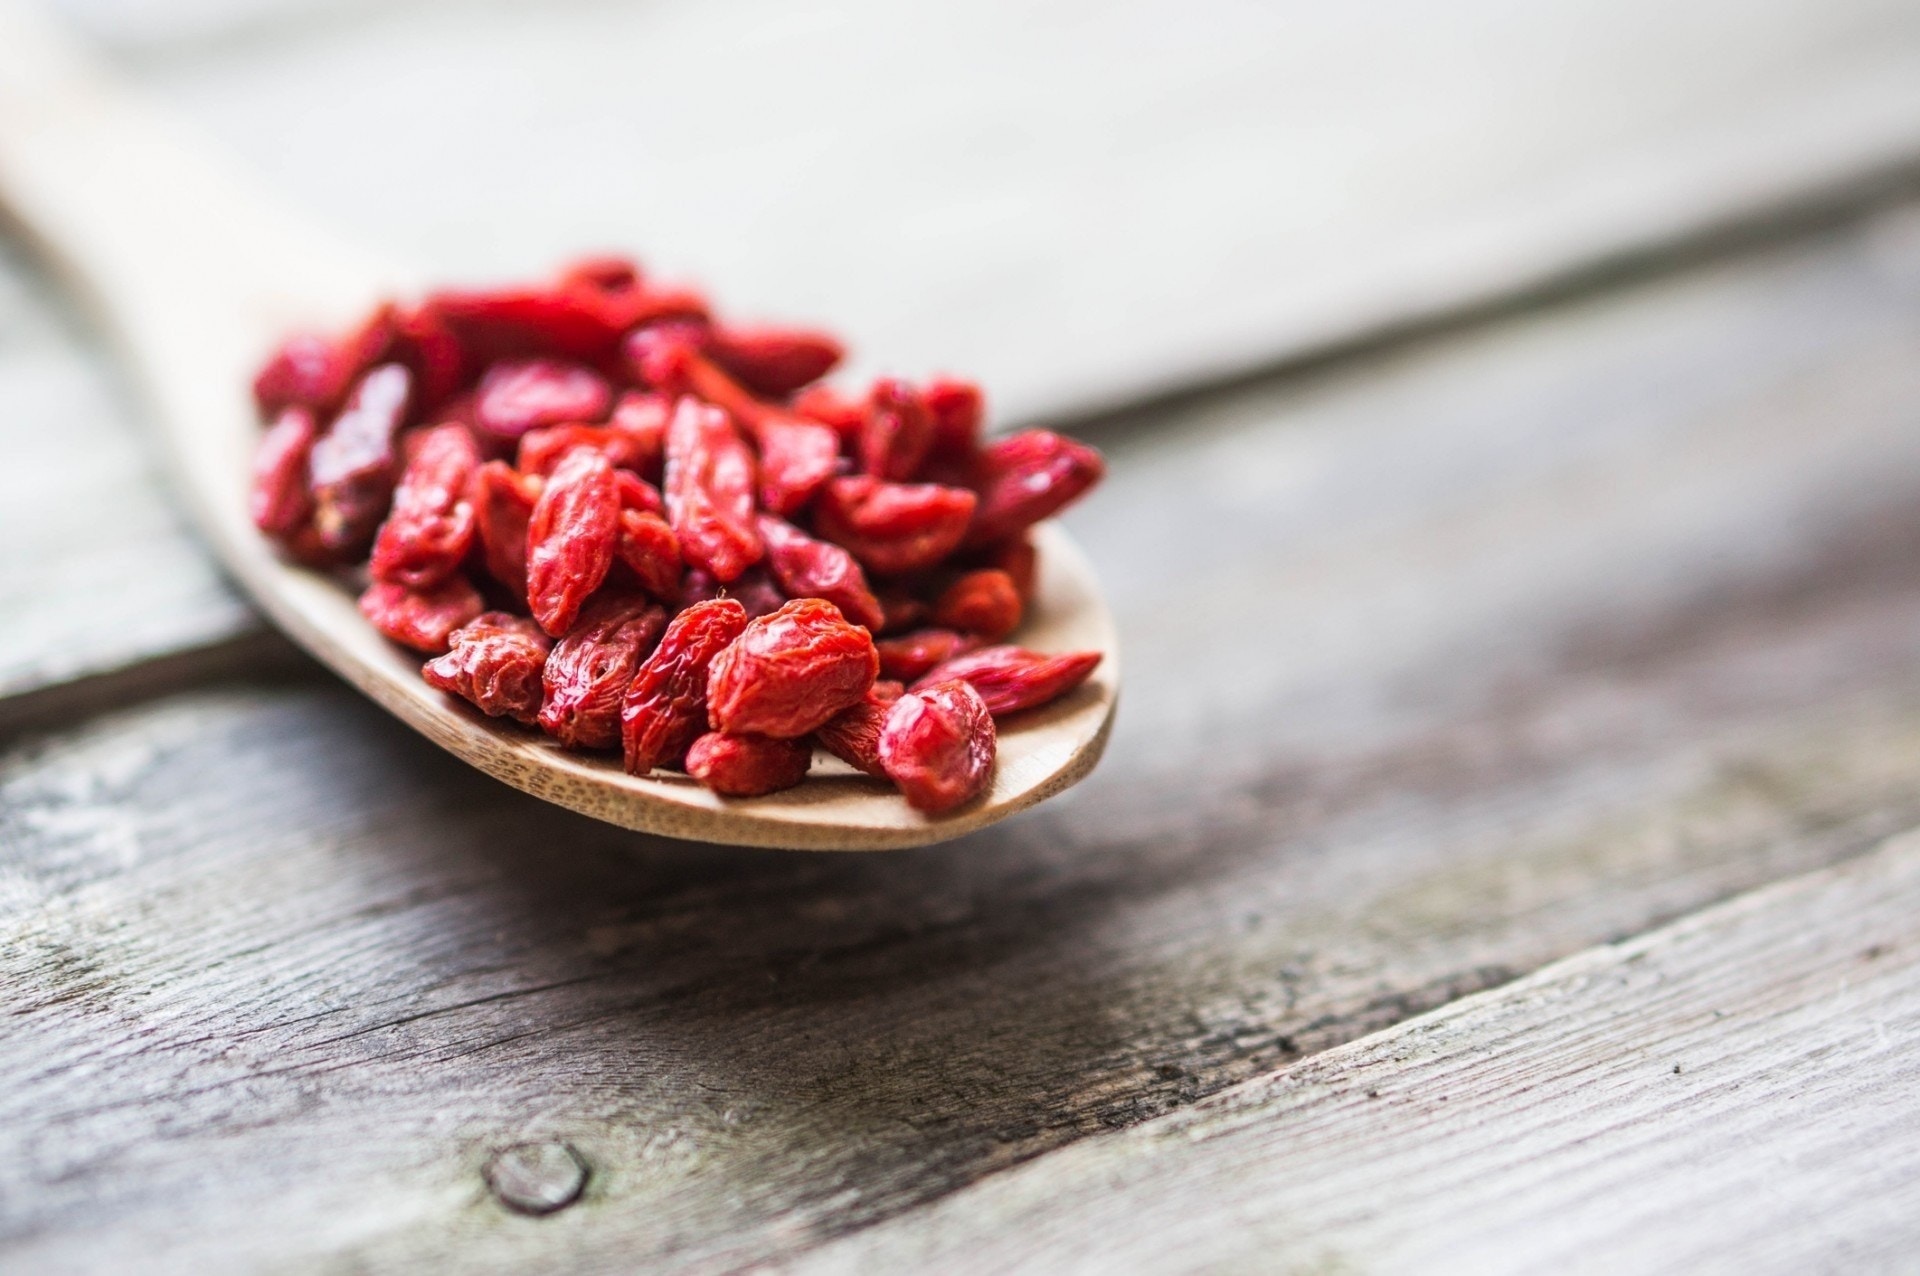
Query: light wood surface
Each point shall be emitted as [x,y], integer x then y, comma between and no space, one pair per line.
[1520,642]
[1733,1093]
[198,281]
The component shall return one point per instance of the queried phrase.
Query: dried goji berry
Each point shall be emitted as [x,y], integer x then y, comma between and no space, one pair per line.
[589,671]
[747,765]
[910,656]
[422,619]
[1016,557]
[430,528]
[666,704]
[1010,679]
[893,528]
[638,494]
[985,603]
[853,734]
[897,433]
[352,466]
[494,661]
[774,361]
[559,323]
[643,417]
[648,548]
[524,394]
[503,502]
[1027,477]
[754,590]
[807,568]
[422,341]
[280,501]
[541,450]
[958,409]
[788,673]
[938,744]
[709,489]
[571,538]
[316,372]
[846,417]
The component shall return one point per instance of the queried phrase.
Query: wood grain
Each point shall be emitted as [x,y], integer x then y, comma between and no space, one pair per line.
[201,282]
[1733,1093]
[1440,668]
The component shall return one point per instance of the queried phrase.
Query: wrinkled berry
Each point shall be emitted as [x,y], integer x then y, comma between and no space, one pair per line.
[421,619]
[985,603]
[430,527]
[1010,679]
[774,361]
[893,528]
[790,672]
[525,394]
[1027,477]
[503,502]
[280,501]
[909,657]
[571,538]
[666,703]
[853,734]
[747,765]
[710,478]
[494,661]
[588,673]
[807,568]
[938,744]
[352,466]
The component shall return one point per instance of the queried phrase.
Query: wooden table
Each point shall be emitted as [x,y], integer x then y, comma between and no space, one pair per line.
[1501,864]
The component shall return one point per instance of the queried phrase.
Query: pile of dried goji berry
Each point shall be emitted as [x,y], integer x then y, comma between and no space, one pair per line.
[611,515]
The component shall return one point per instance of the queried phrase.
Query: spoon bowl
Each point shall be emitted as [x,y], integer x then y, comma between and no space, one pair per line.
[198,276]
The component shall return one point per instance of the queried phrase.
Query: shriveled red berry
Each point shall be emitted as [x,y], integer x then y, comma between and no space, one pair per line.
[853,734]
[503,502]
[541,449]
[845,416]
[897,433]
[643,417]
[808,568]
[893,528]
[985,603]
[754,590]
[525,394]
[1010,679]
[638,494]
[747,765]
[910,656]
[1027,477]
[958,409]
[938,744]
[588,673]
[774,361]
[430,528]
[571,538]
[1017,557]
[581,324]
[422,341]
[650,551]
[494,661]
[666,703]
[788,673]
[709,491]
[280,502]
[422,619]
[316,372]
[352,467]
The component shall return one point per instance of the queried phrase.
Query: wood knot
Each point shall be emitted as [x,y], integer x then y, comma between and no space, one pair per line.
[536,1178]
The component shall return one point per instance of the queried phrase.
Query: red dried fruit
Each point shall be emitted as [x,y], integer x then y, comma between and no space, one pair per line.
[1010,679]
[422,341]
[898,431]
[709,488]
[421,619]
[316,372]
[643,417]
[584,324]
[541,450]
[494,661]
[280,501]
[647,546]
[589,671]
[911,656]
[807,568]
[503,502]
[774,361]
[571,538]
[796,455]
[638,494]
[790,672]
[353,465]
[666,704]
[747,765]
[846,417]
[853,734]
[430,528]
[1027,477]
[938,744]
[985,603]
[958,409]
[893,528]
[754,590]
[1018,559]
[524,394]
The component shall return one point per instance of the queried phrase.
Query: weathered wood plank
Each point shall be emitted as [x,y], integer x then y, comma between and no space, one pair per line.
[1734,1093]
[1439,669]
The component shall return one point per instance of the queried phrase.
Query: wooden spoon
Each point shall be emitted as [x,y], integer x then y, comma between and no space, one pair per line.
[198,276]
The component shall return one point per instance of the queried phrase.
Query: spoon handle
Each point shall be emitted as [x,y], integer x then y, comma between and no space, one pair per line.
[178,255]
